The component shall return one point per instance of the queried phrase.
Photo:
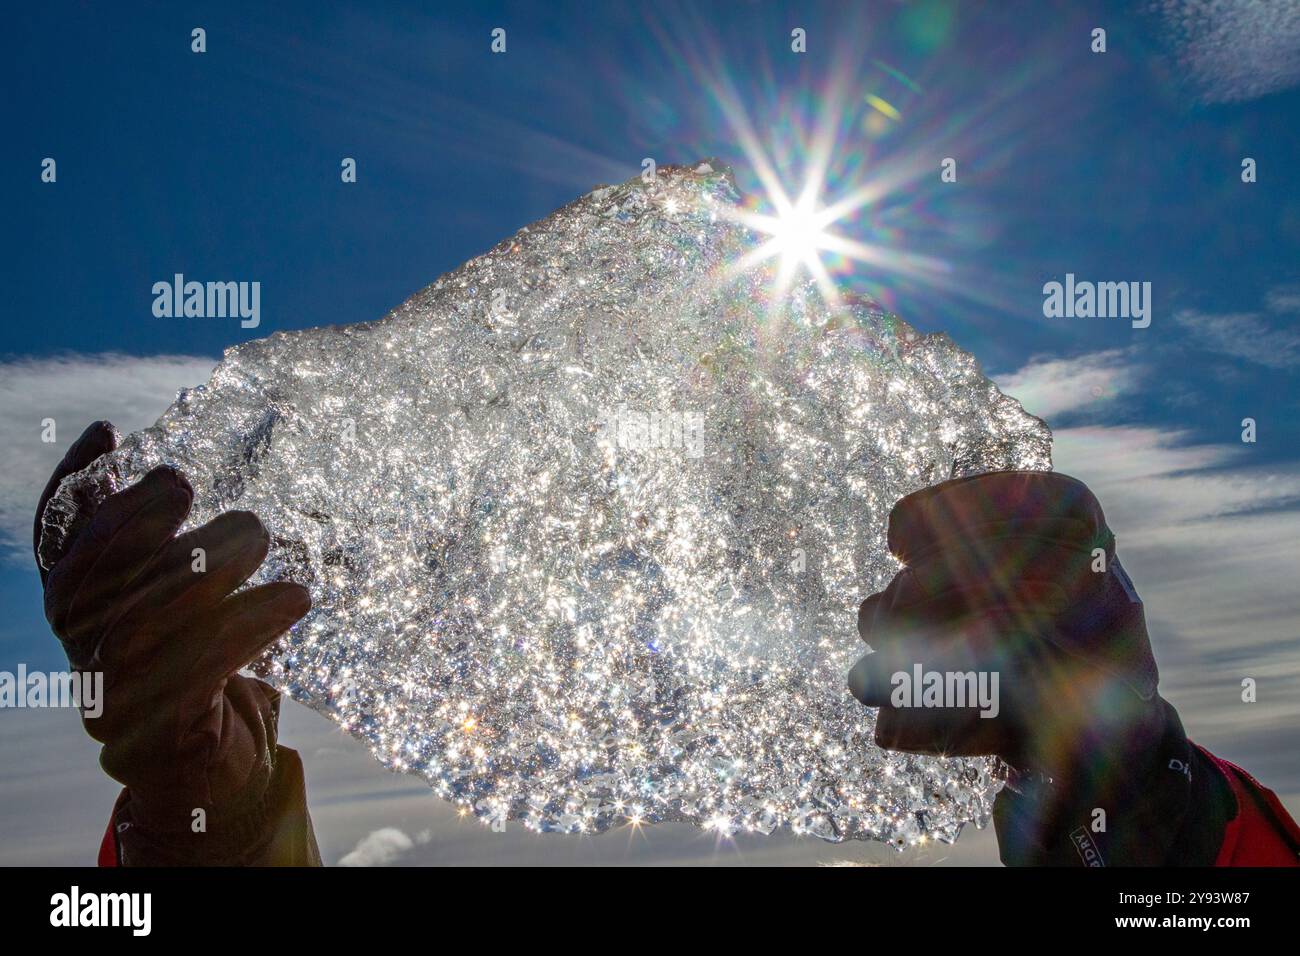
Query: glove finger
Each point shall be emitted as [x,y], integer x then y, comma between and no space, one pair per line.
[943,732]
[939,695]
[867,616]
[907,607]
[876,613]
[83,589]
[1004,639]
[99,438]
[173,618]
[246,738]
[1031,608]
[870,678]
[1047,504]
[1086,606]
[249,622]
[1002,566]
[198,569]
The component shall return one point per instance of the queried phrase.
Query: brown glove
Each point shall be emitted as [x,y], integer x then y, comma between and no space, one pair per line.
[159,615]
[1012,577]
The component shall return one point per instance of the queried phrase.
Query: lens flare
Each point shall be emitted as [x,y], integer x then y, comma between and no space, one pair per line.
[843,154]
[816,233]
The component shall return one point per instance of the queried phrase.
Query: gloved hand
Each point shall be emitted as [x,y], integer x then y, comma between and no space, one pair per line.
[1013,577]
[180,728]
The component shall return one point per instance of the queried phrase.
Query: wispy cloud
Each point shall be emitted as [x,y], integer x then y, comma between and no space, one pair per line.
[1265,338]
[73,390]
[1242,335]
[1283,299]
[1234,51]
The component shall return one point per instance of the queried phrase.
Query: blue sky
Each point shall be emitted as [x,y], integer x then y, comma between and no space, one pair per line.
[1116,166]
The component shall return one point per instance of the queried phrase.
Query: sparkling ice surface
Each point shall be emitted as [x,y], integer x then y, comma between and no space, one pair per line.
[587,521]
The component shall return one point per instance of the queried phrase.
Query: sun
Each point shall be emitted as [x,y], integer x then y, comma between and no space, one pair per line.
[808,216]
[796,234]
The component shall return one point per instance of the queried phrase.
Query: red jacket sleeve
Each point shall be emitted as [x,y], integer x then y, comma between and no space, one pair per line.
[1261,833]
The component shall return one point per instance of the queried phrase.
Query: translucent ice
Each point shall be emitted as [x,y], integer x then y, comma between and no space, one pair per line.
[586,522]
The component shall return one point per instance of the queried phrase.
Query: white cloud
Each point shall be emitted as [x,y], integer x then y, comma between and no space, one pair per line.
[1050,387]
[379,848]
[74,390]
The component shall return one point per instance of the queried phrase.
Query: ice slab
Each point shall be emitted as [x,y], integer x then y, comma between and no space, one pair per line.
[586,522]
